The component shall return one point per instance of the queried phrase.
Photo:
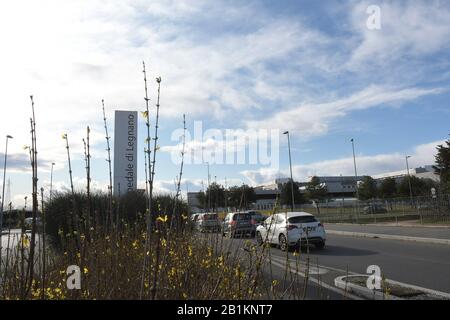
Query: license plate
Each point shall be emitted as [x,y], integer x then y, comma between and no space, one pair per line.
[309,229]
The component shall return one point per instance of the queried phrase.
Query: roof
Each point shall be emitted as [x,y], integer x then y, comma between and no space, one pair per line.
[297,214]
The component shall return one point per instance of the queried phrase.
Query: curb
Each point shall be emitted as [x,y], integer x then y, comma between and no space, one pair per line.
[376,295]
[389,236]
[361,291]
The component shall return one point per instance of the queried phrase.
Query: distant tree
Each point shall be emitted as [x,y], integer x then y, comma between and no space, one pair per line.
[367,189]
[286,194]
[215,194]
[388,188]
[419,187]
[315,190]
[442,167]
[241,197]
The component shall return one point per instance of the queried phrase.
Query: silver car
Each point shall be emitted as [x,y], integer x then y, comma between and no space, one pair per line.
[207,222]
[238,223]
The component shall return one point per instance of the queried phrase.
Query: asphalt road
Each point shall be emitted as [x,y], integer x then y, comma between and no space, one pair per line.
[422,232]
[420,264]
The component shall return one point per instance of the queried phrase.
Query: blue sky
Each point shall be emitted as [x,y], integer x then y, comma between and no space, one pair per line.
[310,67]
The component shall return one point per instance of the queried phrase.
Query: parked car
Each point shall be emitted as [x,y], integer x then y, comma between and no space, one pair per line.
[291,229]
[374,208]
[257,217]
[207,222]
[194,217]
[238,223]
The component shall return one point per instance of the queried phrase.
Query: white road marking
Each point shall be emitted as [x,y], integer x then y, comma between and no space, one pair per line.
[322,284]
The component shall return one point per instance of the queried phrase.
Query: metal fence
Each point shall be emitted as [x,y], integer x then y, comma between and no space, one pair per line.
[420,210]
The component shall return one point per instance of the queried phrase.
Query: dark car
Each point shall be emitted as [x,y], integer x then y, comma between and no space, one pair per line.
[374,208]
[238,223]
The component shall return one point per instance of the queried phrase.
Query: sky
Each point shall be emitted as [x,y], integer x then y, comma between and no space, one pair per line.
[313,68]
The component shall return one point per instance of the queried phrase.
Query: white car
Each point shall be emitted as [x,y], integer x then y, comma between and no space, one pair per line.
[291,229]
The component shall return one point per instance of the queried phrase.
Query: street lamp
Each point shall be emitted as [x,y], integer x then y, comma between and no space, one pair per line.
[3,197]
[51,182]
[3,189]
[354,165]
[290,168]
[209,189]
[409,179]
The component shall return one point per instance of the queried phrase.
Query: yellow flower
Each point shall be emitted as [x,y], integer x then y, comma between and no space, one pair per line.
[85,270]
[190,251]
[64,136]
[25,241]
[162,218]
[274,283]
[145,114]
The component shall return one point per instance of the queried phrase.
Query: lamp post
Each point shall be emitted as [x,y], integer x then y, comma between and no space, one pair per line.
[209,189]
[3,189]
[290,168]
[3,197]
[354,165]
[356,179]
[51,182]
[409,179]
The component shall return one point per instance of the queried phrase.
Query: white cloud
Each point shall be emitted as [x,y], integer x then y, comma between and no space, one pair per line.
[408,29]
[314,119]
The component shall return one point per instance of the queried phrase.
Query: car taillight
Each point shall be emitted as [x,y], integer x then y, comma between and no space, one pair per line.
[233,222]
[291,227]
[321,225]
[253,221]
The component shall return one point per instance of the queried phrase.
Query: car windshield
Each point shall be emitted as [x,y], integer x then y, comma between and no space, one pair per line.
[302,219]
[258,217]
[210,217]
[242,216]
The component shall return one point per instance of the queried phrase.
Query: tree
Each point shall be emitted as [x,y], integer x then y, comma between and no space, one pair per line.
[241,197]
[442,167]
[367,189]
[388,188]
[286,194]
[215,196]
[315,190]
[419,187]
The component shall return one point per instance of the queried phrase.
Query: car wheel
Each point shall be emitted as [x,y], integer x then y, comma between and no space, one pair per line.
[283,242]
[259,239]
[320,245]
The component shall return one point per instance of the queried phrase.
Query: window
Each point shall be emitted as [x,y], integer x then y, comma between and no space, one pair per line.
[302,219]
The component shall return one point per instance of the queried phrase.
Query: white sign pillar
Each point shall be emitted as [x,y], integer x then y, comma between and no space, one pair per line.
[125,152]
